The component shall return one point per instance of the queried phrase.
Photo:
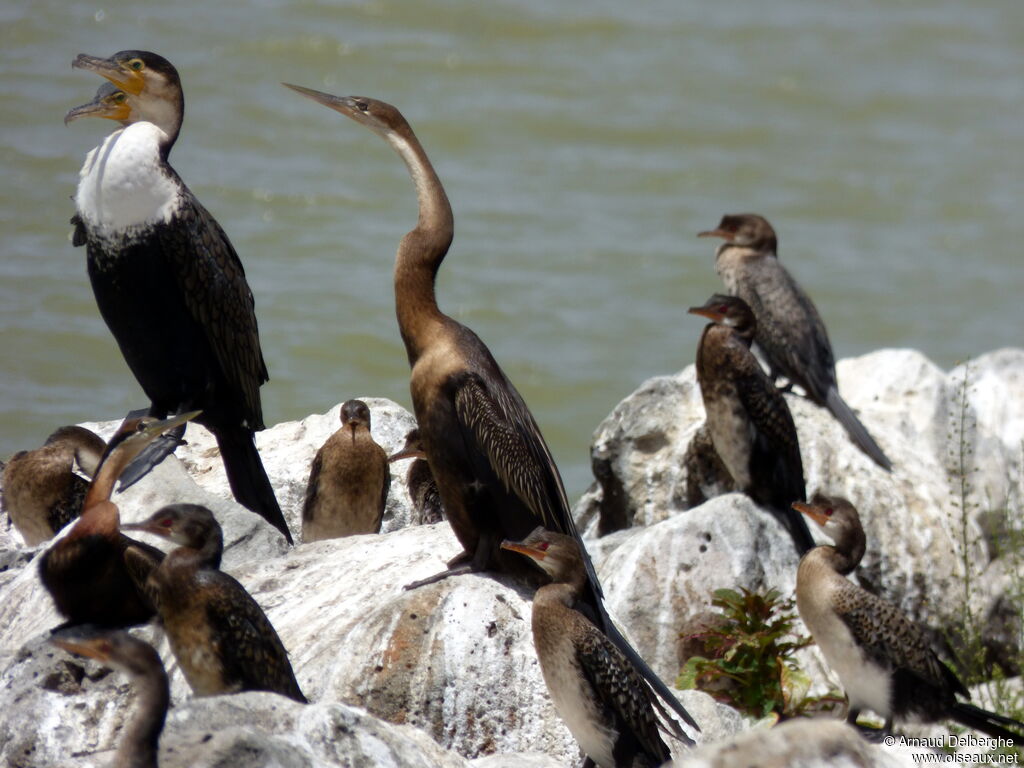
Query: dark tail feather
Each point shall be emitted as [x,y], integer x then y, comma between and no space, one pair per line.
[249,482]
[988,722]
[795,523]
[856,430]
[663,692]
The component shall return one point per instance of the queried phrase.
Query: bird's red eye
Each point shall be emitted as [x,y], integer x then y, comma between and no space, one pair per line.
[543,546]
[829,511]
[167,522]
[723,309]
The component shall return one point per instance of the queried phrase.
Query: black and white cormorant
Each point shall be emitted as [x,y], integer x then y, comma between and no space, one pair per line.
[495,475]
[790,331]
[167,280]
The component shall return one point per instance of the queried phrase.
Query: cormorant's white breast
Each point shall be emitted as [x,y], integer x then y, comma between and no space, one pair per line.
[124,186]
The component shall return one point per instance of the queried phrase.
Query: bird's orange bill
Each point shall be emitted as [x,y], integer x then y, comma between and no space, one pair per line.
[707,312]
[811,511]
[523,549]
[129,80]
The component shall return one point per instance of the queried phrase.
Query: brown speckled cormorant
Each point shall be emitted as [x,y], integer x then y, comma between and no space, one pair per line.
[141,736]
[41,491]
[790,331]
[597,691]
[747,417]
[348,480]
[167,280]
[85,571]
[494,472]
[881,657]
[420,480]
[220,636]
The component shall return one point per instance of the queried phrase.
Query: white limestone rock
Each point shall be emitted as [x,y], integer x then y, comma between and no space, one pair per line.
[799,743]
[912,409]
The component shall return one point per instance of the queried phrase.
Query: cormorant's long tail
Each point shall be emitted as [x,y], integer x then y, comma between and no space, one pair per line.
[249,482]
[856,430]
[988,722]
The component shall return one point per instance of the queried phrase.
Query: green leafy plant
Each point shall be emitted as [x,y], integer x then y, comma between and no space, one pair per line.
[749,662]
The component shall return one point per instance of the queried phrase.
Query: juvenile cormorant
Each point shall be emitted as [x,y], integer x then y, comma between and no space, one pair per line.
[597,691]
[748,420]
[41,491]
[494,472]
[85,571]
[420,480]
[220,636]
[167,280]
[348,480]
[140,739]
[881,657]
[790,331]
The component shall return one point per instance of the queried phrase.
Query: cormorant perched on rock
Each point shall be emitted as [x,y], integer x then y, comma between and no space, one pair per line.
[881,657]
[596,689]
[41,491]
[85,571]
[223,641]
[790,331]
[748,420]
[420,480]
[494,472]
[167,280]
[141,736]
[348,480]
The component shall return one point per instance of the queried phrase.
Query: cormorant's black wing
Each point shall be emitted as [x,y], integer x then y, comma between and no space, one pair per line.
[213,285]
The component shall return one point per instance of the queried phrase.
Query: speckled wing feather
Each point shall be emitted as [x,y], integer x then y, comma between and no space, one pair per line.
[253,656]
[214,288]
[892,641]
[498,424]
[624,695]
[776,467]
[790,331]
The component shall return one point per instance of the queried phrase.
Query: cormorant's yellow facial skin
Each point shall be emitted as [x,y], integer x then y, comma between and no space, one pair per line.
[128,75]
[109,103]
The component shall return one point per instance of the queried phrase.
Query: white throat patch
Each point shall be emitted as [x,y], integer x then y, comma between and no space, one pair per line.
[123,186]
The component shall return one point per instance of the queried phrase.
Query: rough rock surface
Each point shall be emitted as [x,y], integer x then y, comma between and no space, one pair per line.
[446,675]
[915,411]
[802,743]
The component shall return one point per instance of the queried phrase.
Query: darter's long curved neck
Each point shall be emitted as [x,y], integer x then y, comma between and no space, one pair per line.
[422,249]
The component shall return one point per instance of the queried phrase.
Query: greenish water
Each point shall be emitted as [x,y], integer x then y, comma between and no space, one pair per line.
[582,144]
